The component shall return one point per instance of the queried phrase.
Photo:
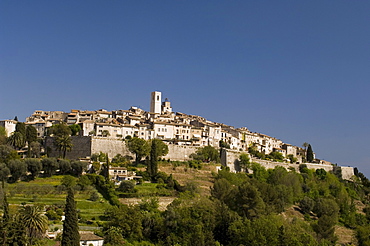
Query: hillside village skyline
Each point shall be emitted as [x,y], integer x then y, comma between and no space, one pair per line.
[160,122]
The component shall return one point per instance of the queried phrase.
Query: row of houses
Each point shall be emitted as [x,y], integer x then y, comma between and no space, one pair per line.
[160,122]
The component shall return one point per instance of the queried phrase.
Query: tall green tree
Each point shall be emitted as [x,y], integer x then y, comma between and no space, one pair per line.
[21,127]
[70,236]
[4,226]
[309,154]
[31,136]
[157,149]
[139,147]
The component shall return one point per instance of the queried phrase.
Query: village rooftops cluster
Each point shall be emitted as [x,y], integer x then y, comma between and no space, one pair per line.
[161,123]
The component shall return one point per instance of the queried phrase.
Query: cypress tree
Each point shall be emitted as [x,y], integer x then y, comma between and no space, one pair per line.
[309,154]
[70,236]
[153,162]
[5,218]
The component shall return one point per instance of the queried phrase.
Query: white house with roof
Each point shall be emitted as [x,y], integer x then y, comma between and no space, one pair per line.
[89,238]
[182,132]
[164,130]
[115,130]
[118,174]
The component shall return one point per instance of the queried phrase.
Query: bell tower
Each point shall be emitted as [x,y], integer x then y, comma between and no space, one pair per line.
[156,102]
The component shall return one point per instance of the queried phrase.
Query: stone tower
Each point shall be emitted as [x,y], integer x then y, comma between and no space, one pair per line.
[156,102]
[166,106]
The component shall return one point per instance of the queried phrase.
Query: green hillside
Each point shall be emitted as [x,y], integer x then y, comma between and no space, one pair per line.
[191,203]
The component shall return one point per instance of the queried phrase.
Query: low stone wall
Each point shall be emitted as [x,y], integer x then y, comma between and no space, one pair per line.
[347,172]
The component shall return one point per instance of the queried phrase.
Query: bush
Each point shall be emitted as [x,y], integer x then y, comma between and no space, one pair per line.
[53,215]
[127,186]
[306,204]
[94,196]
[196,164]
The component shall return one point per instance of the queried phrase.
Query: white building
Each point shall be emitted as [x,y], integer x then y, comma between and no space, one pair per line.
[89,238]
[156,102]
[9,126]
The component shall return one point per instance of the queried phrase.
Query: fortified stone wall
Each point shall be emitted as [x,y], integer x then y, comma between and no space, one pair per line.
[81,147]
[230,158]
[86,146]
[347,172]
[110,146]
[180,152]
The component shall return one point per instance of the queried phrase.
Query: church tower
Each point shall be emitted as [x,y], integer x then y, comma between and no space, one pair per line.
[156,102]
[166,106]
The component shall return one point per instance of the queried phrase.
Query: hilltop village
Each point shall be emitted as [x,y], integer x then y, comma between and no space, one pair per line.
[103,131]
[162,123]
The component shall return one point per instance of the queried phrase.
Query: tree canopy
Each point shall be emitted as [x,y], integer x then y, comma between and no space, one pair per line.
[62,139]
[139,147]
[206,154]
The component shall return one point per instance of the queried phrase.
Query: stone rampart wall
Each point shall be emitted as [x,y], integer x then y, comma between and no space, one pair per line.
[180,152]
[86,146]
[81,147]
[347,172]
[230,158]
[110,146]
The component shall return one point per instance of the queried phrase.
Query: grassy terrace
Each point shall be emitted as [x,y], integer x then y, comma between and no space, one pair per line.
[47,191]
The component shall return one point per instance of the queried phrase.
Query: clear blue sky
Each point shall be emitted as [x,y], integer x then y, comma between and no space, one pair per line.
[295,70]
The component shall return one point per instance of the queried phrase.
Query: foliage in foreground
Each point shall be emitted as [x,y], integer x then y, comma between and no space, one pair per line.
[247,210]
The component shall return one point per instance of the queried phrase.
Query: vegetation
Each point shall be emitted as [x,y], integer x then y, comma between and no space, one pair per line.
[157,149]
[2,135]
[75,129]
[206,154]
[70,236]
[309,155]
[139,147]
[62,139]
